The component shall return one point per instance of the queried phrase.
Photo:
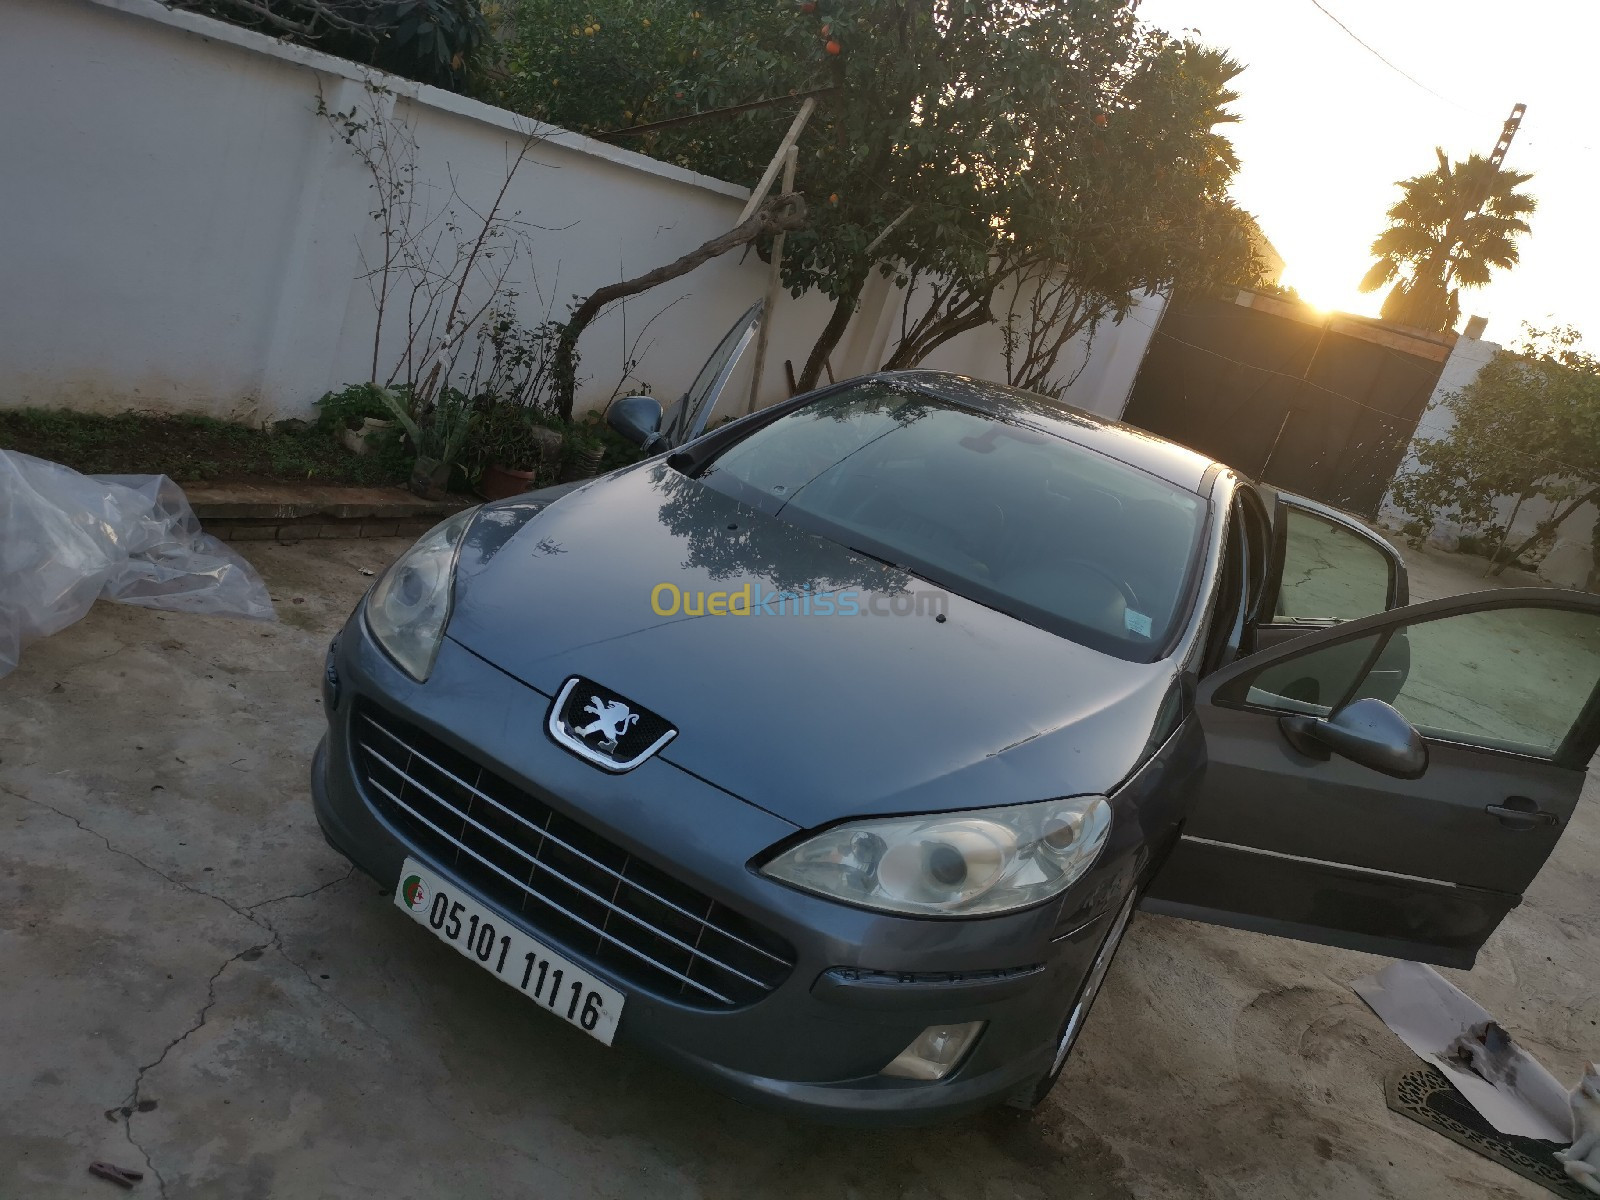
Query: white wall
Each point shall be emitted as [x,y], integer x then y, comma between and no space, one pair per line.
[184,233]
[1101,369]
[1570,560]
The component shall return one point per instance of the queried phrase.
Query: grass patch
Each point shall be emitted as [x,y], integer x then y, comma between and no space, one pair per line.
[190,449]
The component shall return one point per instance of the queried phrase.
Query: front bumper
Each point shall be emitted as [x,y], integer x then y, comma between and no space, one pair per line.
[863,985]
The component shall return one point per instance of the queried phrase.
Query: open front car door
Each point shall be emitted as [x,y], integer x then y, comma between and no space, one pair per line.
[1392,784]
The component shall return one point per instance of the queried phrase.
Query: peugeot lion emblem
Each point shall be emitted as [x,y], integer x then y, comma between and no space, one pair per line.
[604,728]
[611,719]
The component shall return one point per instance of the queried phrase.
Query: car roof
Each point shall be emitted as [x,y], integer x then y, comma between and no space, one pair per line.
[1139,448]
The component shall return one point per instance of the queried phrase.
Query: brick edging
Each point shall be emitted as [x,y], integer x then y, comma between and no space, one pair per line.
[295,529]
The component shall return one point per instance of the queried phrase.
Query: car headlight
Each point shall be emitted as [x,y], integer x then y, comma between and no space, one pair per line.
[410,606]
[952,864]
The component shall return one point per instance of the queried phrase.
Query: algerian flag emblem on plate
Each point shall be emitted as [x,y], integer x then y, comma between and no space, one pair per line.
[415,893]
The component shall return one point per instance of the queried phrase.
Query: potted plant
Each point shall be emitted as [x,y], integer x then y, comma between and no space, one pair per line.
[438,436]
[517,451]
[593,447]
[584,454]
[361,438]
[357,414]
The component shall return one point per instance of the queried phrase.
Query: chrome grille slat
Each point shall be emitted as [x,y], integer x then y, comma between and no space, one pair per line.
[567,880]
[544,868]
[543,899]
[544,832]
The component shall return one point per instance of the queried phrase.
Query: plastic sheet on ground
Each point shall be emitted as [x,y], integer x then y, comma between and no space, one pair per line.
[67,539]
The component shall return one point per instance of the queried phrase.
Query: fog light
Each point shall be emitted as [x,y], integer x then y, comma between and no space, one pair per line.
[936,1051]
[330,678]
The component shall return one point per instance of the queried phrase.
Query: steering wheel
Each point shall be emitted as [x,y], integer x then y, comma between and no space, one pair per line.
[1129,598]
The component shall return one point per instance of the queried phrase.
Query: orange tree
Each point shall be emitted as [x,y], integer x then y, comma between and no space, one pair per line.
[960,141]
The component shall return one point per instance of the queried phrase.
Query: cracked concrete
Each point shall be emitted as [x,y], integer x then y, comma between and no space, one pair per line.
[179,943]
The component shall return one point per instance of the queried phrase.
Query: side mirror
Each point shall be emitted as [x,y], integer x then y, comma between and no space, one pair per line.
[637,418]
[1368,732]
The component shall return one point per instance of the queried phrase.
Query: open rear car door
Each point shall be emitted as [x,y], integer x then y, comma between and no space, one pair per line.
[1329,816]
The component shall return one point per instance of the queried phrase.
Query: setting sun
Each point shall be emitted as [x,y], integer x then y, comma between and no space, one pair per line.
[1327,128]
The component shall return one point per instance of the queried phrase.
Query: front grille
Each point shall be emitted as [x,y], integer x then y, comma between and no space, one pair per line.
[574,887]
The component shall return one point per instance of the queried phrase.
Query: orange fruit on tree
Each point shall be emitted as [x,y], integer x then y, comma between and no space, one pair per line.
[833,47]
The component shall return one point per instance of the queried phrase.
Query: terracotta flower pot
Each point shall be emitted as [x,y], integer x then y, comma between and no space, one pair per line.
[499,482]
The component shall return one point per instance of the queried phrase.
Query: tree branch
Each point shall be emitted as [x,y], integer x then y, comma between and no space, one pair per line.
[777,214]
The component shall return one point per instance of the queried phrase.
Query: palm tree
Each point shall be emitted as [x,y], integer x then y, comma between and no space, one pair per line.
[1449,230]
[1213,72]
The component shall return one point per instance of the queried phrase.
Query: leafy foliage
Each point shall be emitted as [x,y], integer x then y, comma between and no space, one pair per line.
[1146,208]
[598,66]
[517,437]
[191,448]
[350,405]
[1451,228]
[431,41]
[962,142]
[1527,427]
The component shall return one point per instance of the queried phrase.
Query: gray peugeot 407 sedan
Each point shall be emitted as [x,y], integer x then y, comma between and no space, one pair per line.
[828,754]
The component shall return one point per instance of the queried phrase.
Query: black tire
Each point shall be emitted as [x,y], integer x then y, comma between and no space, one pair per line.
[1031,1095]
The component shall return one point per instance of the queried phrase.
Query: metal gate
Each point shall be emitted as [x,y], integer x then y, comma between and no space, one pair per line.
[1323,405]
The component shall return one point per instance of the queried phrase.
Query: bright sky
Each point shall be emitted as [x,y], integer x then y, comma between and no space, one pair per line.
[1327,128]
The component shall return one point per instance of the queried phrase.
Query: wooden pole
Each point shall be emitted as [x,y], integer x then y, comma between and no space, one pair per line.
[729,111]
[791,158]
[771,173]
[886,231]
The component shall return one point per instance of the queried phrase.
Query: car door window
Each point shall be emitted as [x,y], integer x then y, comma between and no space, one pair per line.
[1510,678]
[1330,570]
[688,416]
[1310,683]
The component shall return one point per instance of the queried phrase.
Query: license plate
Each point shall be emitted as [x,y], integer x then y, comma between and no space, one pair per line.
[509,954]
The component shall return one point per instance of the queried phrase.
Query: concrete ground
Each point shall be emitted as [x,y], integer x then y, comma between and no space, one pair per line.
[196,986]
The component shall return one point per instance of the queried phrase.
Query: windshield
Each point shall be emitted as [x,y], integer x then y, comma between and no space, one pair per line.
[1015,518]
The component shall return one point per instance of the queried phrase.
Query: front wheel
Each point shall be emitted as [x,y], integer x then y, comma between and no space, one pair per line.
[1031,1095]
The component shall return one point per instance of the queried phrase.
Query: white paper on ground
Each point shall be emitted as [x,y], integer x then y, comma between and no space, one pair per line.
[1427,1012]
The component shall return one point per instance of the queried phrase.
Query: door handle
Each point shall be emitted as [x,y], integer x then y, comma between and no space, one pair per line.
[1519,812]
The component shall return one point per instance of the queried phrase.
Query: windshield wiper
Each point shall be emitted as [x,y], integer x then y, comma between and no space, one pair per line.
[684,463]
[888,562]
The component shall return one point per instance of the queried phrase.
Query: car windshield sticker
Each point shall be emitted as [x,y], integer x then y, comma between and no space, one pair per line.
[1136,622]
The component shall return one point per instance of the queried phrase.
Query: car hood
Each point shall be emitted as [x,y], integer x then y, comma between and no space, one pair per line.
[811,717]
